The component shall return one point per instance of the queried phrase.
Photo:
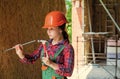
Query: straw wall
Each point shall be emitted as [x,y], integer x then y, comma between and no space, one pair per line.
[21,21]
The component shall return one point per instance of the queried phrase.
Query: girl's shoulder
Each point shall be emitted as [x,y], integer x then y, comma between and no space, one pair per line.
[68,47]
[67,44]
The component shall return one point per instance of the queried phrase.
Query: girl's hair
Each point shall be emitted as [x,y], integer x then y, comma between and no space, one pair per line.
[64,33]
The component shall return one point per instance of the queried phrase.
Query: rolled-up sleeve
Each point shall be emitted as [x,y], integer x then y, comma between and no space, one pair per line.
[66,69]
[30,59]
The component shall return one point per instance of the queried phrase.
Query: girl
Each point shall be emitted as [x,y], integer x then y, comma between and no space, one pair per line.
[57,54]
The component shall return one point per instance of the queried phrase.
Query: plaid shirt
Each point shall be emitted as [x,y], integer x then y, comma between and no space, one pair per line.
[65,59]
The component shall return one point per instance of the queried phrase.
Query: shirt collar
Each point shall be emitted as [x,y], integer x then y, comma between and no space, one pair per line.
[60,43]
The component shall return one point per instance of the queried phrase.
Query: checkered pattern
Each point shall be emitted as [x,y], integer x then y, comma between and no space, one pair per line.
[65,59]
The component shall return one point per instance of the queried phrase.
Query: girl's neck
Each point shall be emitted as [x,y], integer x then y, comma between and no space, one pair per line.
[57,40]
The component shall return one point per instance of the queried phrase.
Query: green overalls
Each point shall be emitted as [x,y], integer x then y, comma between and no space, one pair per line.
[48,72]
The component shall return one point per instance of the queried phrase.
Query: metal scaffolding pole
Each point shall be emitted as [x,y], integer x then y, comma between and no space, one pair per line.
[110,15]
[118,28]
[92,43]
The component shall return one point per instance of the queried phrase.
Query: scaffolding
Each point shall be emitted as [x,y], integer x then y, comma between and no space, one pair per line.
[90,36]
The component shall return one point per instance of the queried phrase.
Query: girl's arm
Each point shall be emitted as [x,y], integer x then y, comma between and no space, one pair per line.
[27,58]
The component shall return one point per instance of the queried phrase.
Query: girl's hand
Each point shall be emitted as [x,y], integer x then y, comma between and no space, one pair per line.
[46,60]
[43,41]
[19,50]
[50,63]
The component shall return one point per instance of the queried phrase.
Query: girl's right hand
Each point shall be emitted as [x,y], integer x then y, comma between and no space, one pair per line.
[19,50]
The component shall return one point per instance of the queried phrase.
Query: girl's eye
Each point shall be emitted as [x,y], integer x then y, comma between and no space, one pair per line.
[50,29]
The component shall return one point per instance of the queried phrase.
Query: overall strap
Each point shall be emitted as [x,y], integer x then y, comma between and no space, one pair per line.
[56,54]
[48,72]
[58,51]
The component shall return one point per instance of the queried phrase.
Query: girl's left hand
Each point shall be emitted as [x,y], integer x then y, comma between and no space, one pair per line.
[49,63]
[46,59]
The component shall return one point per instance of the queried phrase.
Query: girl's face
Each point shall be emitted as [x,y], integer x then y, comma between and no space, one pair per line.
[54,32]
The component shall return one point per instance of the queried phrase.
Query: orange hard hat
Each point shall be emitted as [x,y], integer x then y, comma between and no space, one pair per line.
[54,19]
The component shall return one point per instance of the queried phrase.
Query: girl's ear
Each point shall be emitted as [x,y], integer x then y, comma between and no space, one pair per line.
[60,31]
